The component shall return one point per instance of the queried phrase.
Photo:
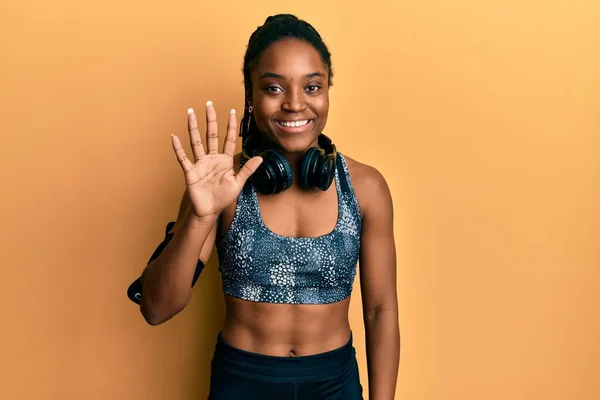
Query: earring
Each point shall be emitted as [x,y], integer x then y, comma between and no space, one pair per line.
[250,108]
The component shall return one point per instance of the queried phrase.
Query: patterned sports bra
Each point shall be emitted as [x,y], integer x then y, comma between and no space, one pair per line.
[257,264]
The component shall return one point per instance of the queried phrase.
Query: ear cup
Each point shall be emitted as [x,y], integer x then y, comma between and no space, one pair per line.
[274,174]
[317,170]
[325,172]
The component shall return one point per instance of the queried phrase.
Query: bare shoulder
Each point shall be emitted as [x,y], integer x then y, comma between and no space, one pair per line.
[370,186]
[363,174]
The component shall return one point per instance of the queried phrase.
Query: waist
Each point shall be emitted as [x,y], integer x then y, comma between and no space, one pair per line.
[323,364]
[279,329]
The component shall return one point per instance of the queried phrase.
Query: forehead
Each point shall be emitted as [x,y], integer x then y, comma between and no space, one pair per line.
[290,57]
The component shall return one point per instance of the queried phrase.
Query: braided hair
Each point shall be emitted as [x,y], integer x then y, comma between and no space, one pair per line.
[275,28]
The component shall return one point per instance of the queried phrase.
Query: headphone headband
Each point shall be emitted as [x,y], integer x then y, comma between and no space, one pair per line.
[274,174]
[327,148]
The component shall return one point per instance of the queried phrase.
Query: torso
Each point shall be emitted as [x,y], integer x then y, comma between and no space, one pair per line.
[277,329]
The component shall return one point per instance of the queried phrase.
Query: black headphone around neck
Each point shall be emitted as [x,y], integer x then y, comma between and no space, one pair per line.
[274,175]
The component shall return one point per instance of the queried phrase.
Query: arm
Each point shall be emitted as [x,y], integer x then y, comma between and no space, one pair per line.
[378,288]
[167,279]
[212,185]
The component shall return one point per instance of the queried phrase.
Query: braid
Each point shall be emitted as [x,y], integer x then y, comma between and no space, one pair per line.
[248,124]
[275,28]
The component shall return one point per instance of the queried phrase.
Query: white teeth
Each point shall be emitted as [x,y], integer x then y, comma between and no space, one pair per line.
[292,124]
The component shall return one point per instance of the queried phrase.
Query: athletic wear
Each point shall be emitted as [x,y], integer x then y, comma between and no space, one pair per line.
[240,375]
[259,265]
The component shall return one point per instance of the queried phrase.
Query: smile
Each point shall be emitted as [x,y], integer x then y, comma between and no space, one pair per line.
[294,124]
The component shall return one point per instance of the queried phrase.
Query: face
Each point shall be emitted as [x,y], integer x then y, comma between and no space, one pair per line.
[290,95]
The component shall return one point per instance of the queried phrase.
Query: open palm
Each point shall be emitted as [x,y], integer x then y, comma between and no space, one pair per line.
[211,181]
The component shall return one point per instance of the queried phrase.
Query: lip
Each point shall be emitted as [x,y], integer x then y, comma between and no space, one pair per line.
[295,129]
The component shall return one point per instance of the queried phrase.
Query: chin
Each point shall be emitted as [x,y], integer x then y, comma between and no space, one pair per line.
[297,144]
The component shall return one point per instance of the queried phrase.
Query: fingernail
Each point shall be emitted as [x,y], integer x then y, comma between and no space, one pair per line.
[232,111]
[208,103]
[190,111]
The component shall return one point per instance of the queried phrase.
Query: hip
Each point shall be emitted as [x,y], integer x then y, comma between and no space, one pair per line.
[237,373]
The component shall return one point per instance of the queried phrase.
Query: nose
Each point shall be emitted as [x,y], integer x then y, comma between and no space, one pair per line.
[294,101]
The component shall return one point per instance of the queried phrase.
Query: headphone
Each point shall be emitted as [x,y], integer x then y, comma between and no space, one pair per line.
[274,174]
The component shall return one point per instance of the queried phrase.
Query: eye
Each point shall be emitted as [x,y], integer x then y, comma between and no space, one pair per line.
[274,89]
[313,88]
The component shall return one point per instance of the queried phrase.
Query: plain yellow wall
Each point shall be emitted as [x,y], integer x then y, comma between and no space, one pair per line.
[483,116]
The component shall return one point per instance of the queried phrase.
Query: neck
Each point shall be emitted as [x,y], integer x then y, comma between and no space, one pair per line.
[293,158]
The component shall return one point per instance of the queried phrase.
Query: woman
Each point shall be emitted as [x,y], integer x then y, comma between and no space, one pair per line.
[290,217]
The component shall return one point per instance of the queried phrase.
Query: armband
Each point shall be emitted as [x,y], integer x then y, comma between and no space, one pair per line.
[134,291]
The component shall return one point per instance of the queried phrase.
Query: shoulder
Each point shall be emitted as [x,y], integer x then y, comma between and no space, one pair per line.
[370,186]
[364,175]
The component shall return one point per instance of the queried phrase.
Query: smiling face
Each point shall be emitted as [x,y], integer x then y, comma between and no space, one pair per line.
[290,95]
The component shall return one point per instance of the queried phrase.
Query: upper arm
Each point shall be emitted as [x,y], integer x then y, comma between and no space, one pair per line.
[378,250]
[185,207]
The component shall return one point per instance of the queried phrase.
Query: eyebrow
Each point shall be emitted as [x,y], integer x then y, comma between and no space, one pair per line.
[278,76]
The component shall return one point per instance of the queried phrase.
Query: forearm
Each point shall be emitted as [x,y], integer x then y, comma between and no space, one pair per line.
[383,353]
[167,279]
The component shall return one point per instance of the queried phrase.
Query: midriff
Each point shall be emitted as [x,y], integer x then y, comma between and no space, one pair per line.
[286,330]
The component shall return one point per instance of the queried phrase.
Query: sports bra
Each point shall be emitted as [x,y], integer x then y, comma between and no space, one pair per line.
[257,264]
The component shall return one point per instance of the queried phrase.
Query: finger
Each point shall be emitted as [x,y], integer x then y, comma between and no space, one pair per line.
[185,163]
[247,170]
[212,134]
[195,140]
[231,137]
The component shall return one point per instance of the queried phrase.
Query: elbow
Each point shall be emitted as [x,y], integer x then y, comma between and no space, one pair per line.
[156,315]
[151,315]
[372,315]
[158,304]
[151,318]
[379,312]
[155,321]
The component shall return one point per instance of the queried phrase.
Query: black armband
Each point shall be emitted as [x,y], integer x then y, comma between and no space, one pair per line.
[134,291]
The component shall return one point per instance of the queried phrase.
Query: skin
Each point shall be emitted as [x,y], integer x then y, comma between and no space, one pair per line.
[290,82]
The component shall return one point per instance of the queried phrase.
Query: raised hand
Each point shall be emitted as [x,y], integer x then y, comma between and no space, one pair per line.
[210,178]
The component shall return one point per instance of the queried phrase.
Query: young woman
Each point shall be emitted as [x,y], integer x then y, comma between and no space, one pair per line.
[291,217]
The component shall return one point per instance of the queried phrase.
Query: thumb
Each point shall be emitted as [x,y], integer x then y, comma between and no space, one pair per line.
[247,170]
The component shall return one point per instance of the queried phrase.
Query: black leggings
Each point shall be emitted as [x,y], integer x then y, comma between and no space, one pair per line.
[240,375]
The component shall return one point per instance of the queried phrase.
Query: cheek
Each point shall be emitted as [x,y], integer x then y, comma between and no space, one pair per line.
[321,103]
[325,106]
[322,108]
[264,108]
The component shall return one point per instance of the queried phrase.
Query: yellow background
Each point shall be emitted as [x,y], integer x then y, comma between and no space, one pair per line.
[482,115]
